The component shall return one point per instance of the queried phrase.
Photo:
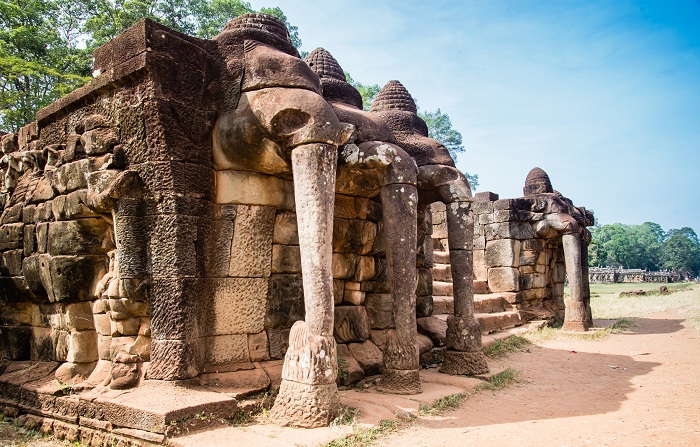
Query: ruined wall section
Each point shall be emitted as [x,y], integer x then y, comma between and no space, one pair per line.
[509,258]
[118,254]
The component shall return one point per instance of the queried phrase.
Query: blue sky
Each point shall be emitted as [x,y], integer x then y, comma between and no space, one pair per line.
[603,95]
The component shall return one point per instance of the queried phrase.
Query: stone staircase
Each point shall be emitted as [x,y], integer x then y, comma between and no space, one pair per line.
[494,312]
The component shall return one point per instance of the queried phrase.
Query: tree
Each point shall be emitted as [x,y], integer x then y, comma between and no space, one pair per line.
[202,18]
[40,60]
[46,45]
[681,251]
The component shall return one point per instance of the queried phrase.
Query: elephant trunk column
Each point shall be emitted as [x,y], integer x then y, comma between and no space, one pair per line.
[308,395]
[464,354]
[575,317]
[401,357]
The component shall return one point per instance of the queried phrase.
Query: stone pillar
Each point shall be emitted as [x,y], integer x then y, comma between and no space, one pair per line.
[585,275]
[463,354]
[575,316]
[401,357]
[308,394]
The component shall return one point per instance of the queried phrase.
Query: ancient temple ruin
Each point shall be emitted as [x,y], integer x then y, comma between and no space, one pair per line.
[207,219]
[525,249]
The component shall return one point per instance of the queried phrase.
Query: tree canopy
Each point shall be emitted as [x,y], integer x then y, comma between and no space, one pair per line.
[46,45]
[645,246]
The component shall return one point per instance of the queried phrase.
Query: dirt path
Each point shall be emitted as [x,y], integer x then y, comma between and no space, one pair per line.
[631,389]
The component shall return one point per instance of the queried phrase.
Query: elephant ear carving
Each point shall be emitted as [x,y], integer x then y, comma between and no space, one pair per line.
[289,121]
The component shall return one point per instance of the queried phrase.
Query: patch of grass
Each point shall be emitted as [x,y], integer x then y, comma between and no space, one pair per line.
[684,299]
[365,437]
[347,416]
[343,368]
[500,381]
[505,347]
[552,333]
[442,405]
[12,435]
[624,324]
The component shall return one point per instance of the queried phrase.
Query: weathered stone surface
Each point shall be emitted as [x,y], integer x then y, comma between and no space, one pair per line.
[464,363]
[380,311]
[239,305]
[177,307]
[285,301]
[368,356]
[305,405]
[14,214]
[11,236]
[506,230]
[72,278]
[228,348]
[424,343]
[11,262]
[80,236]
[344,265]
[338,291]
[251,248]
[424,306]
[71,206]
[258,347]
[174,359]
[504,279]
[98,141]
[400,381]
[463,334]
[245,187]
[279,342]
[172,177]
[285,231]
[78,316]
[69,177]
[351,324]
[434,328]
[286,259]
[354,297]
[502,253]
[172,245]
[366,269]
[349,369]
[82,347]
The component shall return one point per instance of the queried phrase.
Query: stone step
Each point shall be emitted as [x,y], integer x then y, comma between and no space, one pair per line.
[442,288]
[481,287]
[442,272]
[498,321]
[488,303]
[441,257]
[443,305]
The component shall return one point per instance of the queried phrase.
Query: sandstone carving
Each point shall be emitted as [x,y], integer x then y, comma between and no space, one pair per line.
[439,180]
[209,218]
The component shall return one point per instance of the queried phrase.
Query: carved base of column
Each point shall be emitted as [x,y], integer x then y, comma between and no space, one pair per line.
[575,317]
[463,334]
[308,394]
[400,381]
[304,405]
[464,363]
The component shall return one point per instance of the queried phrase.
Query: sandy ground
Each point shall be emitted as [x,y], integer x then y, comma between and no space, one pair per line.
[632,389]
[640,388]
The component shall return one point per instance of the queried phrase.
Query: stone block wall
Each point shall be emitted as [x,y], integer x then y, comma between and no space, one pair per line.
[121,245]
[509,258]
